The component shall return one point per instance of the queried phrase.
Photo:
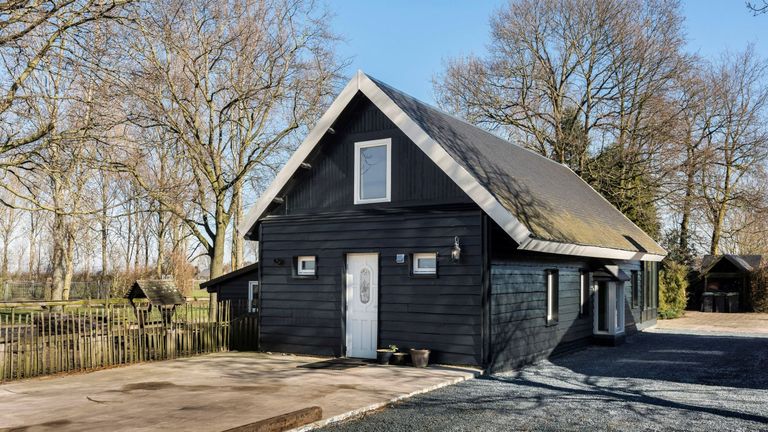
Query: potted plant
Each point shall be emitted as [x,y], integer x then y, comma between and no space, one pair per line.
[383,355]
[398,358]
[420,357]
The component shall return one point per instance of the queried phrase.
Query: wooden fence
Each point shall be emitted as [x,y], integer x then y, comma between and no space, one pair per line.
[79,337]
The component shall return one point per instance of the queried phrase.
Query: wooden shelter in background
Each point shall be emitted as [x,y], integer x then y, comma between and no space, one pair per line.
[162,294]
[729,274]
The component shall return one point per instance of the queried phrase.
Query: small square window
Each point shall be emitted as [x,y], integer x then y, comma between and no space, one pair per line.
[425,263]
[305,266]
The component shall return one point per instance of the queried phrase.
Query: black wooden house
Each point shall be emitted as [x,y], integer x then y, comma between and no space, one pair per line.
[395,223]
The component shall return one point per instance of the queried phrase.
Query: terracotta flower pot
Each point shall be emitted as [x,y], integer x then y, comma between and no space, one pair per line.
[420,357]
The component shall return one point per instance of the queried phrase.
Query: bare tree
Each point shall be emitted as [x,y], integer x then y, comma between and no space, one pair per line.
[758,8]
[232,83]
[586,84]
[10,222]
[31,31]
[741,142]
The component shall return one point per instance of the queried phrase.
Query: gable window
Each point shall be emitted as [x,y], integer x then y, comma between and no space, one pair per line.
[635,289]
[553,297]
[373,169]
[584,296]
[425,263]
[305,265]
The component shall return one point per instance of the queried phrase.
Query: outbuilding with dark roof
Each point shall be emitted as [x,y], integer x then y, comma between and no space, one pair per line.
[396,223]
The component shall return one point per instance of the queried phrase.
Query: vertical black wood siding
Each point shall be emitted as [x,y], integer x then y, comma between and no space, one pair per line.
[442,313]
[328,185]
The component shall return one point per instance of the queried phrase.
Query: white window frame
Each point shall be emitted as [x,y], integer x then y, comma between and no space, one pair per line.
[417,270]
[553,297]
[585,292]
[387,142]
[305,258]
[253,287]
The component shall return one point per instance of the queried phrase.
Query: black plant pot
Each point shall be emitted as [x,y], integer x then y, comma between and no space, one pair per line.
[383,356]
[399,359]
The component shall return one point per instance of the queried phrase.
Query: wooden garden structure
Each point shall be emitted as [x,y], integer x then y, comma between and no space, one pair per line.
[160,293]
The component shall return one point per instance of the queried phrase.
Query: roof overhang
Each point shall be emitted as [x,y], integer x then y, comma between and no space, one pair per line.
[227,276]
[466,181]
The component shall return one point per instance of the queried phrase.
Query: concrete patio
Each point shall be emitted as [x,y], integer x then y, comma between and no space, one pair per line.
[210,393]
[709,322]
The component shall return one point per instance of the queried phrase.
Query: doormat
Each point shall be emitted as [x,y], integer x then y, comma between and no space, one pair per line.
[335,364]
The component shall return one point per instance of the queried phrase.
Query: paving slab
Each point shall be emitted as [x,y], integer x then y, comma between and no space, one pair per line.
[751,324]
[211,393]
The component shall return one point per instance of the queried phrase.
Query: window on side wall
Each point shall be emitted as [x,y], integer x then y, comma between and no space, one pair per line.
[306,266]
[553,297]
[425,264]
[373,171]
[635,289]
[585,291]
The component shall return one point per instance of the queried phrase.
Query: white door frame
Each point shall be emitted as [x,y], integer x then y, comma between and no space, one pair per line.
[355,310]
[615,305]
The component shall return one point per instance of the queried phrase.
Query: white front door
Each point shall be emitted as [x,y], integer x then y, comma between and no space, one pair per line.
[362,304]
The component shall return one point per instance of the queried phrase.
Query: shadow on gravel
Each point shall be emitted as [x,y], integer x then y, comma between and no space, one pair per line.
[725,361]
[625,395]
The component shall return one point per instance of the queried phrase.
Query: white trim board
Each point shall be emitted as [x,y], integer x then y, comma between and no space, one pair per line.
[479,194]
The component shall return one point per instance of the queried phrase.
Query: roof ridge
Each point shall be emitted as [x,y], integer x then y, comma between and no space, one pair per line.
[468,123]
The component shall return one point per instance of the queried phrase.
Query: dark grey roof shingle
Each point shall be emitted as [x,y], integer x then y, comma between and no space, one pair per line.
[552,201]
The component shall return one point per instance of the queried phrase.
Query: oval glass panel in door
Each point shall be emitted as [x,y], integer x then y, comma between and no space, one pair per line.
[365,285]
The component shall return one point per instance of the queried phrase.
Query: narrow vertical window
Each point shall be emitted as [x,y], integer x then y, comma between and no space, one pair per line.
[635,289]
[373,171]
[553,297]
[584,296]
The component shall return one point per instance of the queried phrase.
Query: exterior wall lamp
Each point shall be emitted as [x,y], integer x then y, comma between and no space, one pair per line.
[456,251]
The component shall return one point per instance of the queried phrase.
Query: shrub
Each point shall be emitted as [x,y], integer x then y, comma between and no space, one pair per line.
[759,289]
[673,286]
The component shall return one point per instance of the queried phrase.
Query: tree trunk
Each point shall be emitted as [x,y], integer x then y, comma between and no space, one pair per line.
[217,255]
[161,220]
[104,231]
[685,220]
[4,268]
[55,291]
[69,269]
[237,241]
[32,246]
[717,229]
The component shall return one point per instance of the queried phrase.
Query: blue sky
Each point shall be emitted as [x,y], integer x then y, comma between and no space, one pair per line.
[404,43]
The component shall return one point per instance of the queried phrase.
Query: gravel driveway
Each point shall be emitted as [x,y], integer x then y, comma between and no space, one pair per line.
[656,381]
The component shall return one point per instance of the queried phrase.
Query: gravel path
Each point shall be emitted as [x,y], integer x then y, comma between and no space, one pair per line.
[656,381]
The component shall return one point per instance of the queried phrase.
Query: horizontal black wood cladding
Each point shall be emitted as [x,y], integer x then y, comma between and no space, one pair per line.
[442,313]
[236,288]
[519,333]
[329,183]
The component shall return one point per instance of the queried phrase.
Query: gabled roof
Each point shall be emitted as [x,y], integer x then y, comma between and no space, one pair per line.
[158,292]
[745,263]
[542,205]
